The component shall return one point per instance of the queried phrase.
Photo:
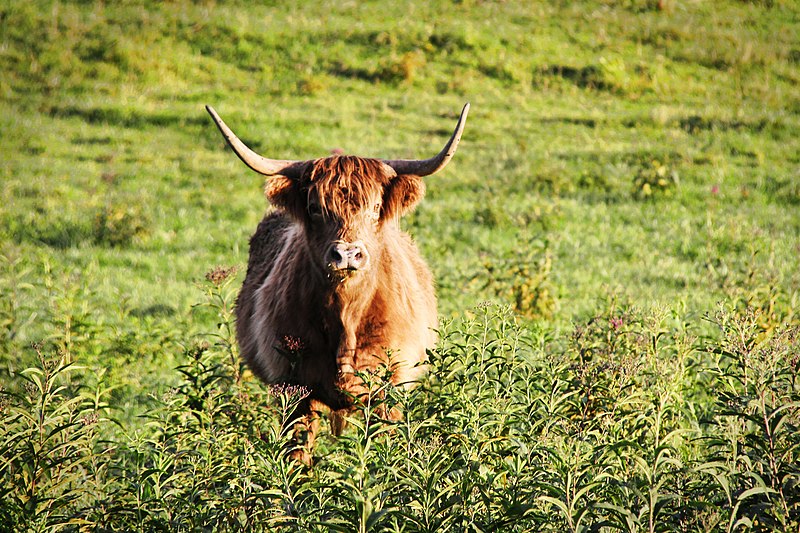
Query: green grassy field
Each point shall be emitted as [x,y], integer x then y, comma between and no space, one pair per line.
[616,247]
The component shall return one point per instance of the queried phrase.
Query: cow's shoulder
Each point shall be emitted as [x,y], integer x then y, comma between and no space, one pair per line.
[268,240]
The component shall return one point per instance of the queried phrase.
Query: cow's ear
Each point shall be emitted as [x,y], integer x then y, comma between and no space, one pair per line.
[401,195]
[284,193]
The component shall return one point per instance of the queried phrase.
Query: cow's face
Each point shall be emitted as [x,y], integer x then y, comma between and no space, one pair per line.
[344,205]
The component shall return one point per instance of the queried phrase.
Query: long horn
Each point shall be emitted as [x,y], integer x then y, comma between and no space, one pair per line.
[262,165]
[426,167]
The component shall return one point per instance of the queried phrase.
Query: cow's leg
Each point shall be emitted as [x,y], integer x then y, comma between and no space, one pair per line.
[306,427]
[338,421]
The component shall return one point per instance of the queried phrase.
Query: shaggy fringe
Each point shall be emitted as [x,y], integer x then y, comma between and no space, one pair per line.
[346,184]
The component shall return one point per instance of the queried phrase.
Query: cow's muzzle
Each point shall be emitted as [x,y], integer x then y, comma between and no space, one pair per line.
[347,256]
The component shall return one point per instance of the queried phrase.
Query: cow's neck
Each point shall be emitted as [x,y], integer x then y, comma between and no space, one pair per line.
[348,303]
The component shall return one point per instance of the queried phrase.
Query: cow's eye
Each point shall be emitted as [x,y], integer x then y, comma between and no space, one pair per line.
[375,214]
[314,209]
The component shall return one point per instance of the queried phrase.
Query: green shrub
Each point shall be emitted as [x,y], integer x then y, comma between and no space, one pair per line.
[754,436]
[54,467]
[118,226]
[654,180]
[516,428]
[524,280]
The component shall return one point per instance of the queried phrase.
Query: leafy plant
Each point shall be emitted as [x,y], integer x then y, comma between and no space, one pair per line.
[524,280]
[755,443]
[54,466]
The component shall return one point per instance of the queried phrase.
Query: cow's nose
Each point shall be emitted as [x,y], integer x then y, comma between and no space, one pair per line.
[348,256]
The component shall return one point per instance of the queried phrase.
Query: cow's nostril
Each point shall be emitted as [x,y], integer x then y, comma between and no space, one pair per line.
[337,257]
[348,256]
[359,256]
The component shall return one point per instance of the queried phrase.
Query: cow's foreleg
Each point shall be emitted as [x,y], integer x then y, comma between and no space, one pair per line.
[306,427]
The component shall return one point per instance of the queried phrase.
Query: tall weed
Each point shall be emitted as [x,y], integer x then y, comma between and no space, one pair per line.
[54,467]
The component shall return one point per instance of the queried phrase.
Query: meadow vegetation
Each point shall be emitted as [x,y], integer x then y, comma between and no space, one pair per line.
[616,247]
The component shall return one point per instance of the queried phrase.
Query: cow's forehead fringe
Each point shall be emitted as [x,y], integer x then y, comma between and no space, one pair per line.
[346,183]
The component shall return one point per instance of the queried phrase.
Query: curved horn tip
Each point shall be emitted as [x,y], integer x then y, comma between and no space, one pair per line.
[462,120]
[262,165]
[426,167]
[464,112]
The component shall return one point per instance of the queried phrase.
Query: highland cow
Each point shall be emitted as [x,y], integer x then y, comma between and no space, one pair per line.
[333,286]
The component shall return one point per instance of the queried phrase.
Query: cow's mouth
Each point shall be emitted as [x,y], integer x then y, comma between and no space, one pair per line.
[339,275]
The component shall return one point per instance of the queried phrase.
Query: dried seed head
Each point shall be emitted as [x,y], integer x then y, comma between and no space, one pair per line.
[220,274]
[90,419]
[293,391]
[293,344]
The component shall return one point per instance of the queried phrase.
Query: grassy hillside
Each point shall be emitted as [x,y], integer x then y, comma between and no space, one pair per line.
[628,187]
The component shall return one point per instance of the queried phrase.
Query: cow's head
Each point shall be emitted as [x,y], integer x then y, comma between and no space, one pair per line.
[344,202]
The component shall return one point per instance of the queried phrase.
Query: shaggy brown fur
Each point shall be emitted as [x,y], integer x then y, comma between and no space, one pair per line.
[338,324]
